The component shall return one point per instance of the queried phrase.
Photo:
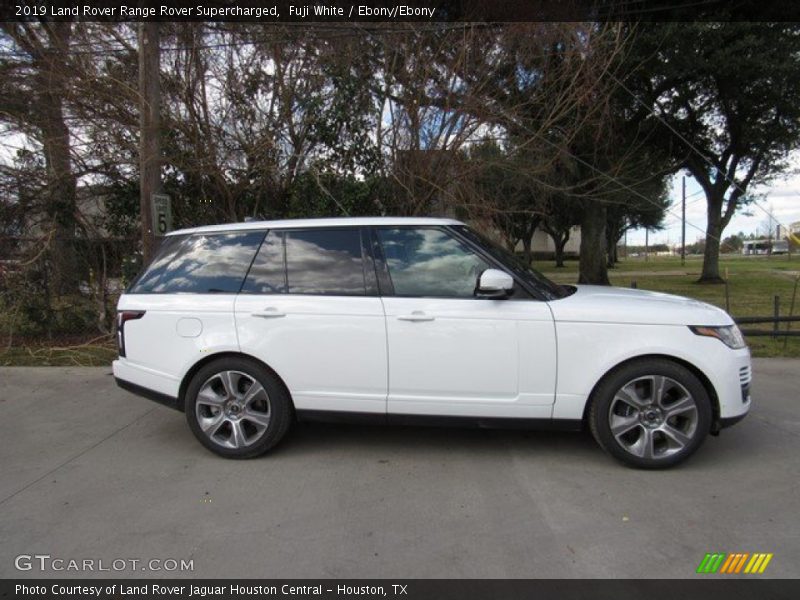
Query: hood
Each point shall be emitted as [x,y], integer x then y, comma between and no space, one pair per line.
[601,304]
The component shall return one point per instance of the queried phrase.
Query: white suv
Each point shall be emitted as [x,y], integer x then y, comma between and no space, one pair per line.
[247,327]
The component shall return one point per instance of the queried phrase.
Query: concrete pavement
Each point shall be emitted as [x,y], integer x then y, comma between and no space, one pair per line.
[88,471]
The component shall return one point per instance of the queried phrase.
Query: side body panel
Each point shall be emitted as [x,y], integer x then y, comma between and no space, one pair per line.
[586,351]
[175,332]
[330,351]
[465,357]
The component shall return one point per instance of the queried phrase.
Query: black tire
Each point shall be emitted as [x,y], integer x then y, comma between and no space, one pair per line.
[647,434]
[274,407]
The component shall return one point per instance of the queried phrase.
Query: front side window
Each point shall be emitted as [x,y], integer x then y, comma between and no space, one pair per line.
[547,289]
[430,262]
[202,264]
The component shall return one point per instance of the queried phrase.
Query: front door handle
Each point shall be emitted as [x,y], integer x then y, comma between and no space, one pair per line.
[417,315]
[269,313]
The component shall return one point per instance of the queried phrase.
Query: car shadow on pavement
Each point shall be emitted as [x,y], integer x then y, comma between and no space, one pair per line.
[313,438]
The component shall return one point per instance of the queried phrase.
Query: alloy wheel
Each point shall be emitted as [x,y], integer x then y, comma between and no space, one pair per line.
[233,409]
[653,417]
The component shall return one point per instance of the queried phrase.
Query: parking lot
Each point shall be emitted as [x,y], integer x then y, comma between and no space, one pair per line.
[90,471]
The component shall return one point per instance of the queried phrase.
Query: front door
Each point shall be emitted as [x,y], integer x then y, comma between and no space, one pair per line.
[450,353]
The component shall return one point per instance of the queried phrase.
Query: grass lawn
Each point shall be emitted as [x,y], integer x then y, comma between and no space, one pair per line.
[753,282]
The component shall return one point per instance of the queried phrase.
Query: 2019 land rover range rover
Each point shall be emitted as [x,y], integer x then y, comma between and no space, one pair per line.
[247,327]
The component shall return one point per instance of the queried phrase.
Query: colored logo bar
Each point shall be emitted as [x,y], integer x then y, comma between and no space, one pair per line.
[734,563]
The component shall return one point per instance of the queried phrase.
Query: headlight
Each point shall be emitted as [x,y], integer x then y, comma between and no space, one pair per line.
[728,335]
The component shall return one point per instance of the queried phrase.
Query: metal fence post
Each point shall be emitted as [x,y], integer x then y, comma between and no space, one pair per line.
[776,312]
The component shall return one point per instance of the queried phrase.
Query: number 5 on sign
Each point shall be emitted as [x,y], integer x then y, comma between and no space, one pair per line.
[162,214]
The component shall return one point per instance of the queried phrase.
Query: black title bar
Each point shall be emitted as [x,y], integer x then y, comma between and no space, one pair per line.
[487,11]
[705,587]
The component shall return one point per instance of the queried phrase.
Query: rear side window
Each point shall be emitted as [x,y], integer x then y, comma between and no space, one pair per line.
[312,261]
[202,264]
[268,273]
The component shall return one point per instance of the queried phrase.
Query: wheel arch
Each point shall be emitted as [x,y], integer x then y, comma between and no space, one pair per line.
[227,354]
[709,387]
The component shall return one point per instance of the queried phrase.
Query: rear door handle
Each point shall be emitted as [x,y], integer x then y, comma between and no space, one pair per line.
[269,313]
[417,315]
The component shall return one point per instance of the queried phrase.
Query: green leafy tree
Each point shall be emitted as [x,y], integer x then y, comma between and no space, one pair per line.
[726,97]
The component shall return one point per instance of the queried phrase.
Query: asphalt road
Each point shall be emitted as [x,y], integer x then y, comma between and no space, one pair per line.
[88,471]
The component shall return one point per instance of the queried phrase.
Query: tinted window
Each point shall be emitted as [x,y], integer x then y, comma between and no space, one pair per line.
[165,253]
[268,273]
[325,261]
[205,263]
[548,289]
[430,262]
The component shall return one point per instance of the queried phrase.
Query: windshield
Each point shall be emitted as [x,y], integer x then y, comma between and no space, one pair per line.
[549,289]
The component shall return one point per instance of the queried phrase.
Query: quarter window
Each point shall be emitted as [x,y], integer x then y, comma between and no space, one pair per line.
[152,273]
[201,264]
[430,262]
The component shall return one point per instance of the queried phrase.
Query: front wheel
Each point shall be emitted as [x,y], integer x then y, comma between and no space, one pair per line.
[237,408]
[651,413]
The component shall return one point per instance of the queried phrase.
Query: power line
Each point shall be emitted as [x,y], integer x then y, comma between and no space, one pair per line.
[708,161]
[87,49]
[606,175]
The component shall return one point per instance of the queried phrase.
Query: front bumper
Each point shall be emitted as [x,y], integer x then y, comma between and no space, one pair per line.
[733,386]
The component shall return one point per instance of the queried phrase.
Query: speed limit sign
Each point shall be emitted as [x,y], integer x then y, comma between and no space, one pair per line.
[162,214]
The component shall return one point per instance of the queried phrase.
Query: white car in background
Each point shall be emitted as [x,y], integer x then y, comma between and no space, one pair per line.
[246,327]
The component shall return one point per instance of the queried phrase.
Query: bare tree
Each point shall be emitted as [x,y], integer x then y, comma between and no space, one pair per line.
[33,95]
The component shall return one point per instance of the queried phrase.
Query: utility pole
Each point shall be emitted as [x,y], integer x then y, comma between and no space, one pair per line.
[769,232]
[646,243]
[683,222]
[149,130]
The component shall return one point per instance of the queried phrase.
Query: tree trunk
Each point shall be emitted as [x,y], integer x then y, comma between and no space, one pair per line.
[710,272]
[593,266]
[560,239]
[559,245]
[610,253]
[527,246]
[61,183]
[612,249]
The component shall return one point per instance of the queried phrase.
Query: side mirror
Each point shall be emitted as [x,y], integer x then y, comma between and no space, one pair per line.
[494,284]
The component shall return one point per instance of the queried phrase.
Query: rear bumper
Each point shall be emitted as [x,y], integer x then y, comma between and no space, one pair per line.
[153,395]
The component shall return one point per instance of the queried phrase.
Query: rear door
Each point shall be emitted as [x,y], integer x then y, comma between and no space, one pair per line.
[309,308]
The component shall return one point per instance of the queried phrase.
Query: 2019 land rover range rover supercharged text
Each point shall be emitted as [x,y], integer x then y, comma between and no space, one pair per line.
[247,327]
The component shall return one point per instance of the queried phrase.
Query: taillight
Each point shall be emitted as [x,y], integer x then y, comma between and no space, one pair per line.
[122,317]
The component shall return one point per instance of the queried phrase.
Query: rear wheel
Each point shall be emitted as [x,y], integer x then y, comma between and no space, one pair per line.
[237,408]
[651,413]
